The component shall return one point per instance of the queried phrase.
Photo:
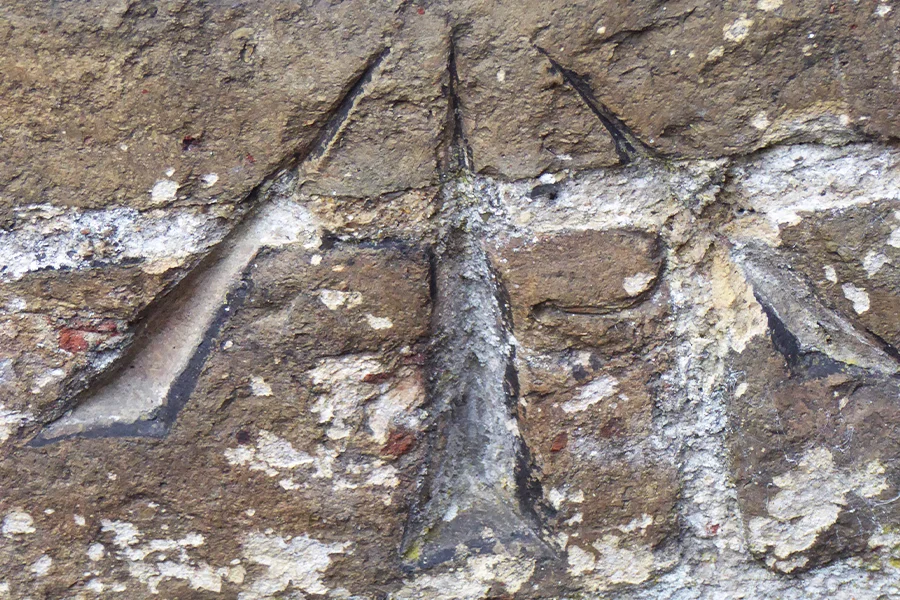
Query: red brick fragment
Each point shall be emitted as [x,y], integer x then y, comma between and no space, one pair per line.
[376,378]
[72,340]
[559,442]
[399,443]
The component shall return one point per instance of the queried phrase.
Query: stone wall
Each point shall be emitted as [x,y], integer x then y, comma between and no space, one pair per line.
[449,300]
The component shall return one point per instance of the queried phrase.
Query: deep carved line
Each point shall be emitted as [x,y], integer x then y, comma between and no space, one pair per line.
[476,488]
[800,323]
[142,394]
[885,345]
[146,388]
[478,473]
[338,119]
[785,342]
[628,146]
[460,150]
[160,422]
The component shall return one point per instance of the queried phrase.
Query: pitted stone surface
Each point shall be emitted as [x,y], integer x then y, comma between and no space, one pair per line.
[587,409]
[850,258]
[309,434]
[606,294]
[221,95]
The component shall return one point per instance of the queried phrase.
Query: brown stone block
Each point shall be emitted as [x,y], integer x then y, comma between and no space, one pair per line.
[588,288]
[343,300]
[813,447]
[102,101]
[287,453]
[852,258]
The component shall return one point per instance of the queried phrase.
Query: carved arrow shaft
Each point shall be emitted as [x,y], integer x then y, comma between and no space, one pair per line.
[474,493]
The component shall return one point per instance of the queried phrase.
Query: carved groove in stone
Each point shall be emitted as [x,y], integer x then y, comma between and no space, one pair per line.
[339,117]
[800,323]
[628,146]
[144,393]
[460,150]
[476,490]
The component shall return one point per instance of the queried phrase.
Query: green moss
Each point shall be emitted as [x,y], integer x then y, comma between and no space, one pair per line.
[414,552]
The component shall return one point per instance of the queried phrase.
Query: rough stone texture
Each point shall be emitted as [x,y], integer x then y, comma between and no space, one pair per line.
[576,289]
[401,119]
[850,257]
[106,98]
[520,117]
[813,450]
[587,394]
[318,434]
[237,90]
[814,405]
[659,239]
[813,393]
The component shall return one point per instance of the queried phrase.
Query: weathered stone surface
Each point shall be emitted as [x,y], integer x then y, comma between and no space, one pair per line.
[696,78]
[813,393]
[520,117]
[587,410]
[340,301]
[394,137]
[850,257]
[625,497]
[221,95]
[583,288]
[61,328]
[320,437]
[813,448]
[585,423]
[105,99]
[813,408]
[114,292]
[675,377]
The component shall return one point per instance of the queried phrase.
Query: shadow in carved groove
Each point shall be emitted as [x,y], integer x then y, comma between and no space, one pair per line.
[148,387]
[477,487]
